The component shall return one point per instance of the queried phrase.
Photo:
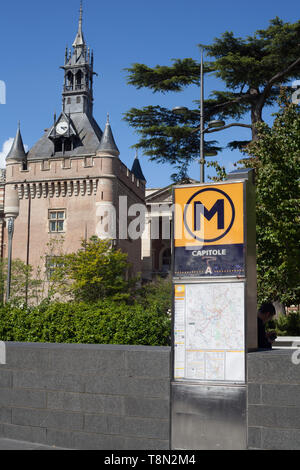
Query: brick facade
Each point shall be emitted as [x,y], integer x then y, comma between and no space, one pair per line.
[71,177]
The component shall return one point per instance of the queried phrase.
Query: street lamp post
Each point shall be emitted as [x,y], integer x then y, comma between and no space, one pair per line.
[11,212]
[202,157]
[10,231]
[211,124]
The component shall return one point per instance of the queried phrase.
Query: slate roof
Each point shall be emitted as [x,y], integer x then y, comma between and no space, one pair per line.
[108,143]
[17,151]
[137,170]
[87,130]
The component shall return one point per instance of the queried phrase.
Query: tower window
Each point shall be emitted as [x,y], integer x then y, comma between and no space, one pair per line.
[68,145]
[69,85]
[57,221]
[52,263]
[78,80]
[69,101]
[58,146]
[78,99]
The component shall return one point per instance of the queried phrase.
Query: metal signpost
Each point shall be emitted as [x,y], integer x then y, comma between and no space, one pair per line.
[214,311]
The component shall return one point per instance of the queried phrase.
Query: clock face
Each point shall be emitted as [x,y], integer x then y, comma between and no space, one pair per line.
[61,128]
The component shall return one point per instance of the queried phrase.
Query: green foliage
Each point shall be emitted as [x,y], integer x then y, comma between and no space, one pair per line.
[175,135]
[252,70]
[276,159]
[96,271]
[286,325]
[146,321]
[156,295]
[104,322]
[24,285]
[162,78]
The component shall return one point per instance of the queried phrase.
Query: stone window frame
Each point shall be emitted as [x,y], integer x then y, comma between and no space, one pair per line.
[57,220]
[52,262]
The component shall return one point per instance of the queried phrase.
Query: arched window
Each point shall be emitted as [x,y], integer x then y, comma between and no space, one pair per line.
[69,84]
[78,80]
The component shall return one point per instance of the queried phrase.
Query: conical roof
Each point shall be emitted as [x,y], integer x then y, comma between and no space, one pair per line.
[79,40]
[108,143]
[137,170]
[17,152]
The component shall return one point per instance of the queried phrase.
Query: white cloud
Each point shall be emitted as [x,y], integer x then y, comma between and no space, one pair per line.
[6,149]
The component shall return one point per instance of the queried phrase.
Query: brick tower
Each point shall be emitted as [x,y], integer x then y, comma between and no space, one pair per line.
[70,172]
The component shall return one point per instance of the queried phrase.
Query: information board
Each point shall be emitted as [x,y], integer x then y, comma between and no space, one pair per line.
[209,230]
[209,332]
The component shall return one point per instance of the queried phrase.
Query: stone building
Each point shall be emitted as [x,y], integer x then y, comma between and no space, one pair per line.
[72,175]
[156,241]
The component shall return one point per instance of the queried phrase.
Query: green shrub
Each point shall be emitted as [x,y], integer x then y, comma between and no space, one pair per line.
[105,322]
[288,325]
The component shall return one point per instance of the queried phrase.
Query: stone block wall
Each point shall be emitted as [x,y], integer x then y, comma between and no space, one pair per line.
[118,397]
[86,396]
[273,401]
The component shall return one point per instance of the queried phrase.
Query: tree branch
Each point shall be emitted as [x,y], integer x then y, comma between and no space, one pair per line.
[236,100]
[278,76]
[233,124]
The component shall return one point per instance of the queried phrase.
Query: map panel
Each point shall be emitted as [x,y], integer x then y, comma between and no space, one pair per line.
[210,331]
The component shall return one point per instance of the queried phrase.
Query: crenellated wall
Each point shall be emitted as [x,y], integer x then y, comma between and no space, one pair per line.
[77,186]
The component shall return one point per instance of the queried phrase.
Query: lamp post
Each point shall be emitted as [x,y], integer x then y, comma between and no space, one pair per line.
[11,212]
[211,124]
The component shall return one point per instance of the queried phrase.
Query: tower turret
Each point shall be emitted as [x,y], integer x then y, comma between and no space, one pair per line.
[78,84]
[17,152]
[137,170]
[108,145]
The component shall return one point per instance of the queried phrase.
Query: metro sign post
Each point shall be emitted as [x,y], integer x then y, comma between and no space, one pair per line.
[214,311]
[213,224]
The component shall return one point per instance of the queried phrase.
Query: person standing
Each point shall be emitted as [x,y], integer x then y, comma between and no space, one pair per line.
[265,313]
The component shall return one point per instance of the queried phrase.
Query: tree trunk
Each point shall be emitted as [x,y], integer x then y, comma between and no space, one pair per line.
[256,116]
[280,309]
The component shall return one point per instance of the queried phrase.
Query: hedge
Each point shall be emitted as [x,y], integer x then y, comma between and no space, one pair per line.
[103,323]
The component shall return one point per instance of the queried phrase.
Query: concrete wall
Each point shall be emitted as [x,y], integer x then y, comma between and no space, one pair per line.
[86,397]
[273,400]
[118,397]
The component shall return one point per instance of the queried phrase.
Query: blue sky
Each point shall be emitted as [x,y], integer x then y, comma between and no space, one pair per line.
[33,37]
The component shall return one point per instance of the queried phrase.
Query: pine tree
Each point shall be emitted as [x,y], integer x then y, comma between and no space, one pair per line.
[252,69]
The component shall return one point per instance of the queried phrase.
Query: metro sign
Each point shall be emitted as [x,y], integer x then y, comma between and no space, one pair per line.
[209,229]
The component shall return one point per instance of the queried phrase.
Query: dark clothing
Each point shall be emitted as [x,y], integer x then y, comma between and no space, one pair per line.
[263,342]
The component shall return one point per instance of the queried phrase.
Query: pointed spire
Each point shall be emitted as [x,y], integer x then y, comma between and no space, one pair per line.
[79,40]
[137,169]
[17,151]
[108,144]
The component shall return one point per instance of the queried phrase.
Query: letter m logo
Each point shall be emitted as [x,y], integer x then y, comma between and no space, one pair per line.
[199,209]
